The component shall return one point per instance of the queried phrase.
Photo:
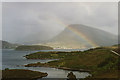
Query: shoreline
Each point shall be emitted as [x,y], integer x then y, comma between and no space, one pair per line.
[70,69]
[63,68]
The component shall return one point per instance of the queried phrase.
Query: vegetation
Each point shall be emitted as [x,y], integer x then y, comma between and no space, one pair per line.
[33,47]
[100,61]
[21,74]
[51,55]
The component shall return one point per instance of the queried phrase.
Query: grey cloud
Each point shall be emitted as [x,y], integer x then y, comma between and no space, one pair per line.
[24,19]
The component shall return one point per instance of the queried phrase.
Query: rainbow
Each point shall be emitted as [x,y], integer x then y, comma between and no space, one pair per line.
[78,33]
[83,36]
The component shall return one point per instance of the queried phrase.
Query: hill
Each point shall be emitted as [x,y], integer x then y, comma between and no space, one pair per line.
[7,45]
[33,47]
[81,36]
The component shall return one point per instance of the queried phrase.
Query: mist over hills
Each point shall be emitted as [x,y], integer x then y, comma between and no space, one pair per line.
[81,36]
[7,45]
[74,36]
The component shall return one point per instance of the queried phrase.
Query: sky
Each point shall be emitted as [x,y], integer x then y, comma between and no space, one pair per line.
[23,21]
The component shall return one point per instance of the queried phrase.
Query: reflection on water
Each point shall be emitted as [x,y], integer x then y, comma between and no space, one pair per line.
[14,60]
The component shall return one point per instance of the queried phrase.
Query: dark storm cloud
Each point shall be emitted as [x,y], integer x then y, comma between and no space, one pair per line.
[25,20]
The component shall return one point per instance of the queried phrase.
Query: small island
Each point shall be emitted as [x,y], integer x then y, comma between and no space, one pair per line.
[33,47]
[21,74]
[101,62]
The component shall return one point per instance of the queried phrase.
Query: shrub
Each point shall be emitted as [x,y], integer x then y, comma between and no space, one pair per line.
[6,68]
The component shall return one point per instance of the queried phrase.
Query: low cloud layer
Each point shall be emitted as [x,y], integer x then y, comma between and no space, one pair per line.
[23,21]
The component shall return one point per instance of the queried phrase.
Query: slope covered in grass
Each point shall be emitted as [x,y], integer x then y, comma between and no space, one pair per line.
[98,61]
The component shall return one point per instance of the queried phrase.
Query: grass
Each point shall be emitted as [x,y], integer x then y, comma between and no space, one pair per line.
[100,61]
[21,74]
[50,55]
[33,47]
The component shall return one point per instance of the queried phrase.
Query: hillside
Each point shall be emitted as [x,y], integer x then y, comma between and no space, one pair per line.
[81,36]
[33,47]
[7,45]
[101,62]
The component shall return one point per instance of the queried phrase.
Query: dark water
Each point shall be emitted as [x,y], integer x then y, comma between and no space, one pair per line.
[14,60]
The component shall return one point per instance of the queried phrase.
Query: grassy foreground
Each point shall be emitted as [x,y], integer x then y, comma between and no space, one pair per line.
[101,62]
[21,74]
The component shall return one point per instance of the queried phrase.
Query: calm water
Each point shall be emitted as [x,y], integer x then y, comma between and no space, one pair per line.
[14,60]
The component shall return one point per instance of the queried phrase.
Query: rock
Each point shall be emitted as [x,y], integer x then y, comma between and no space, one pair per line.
[71,76]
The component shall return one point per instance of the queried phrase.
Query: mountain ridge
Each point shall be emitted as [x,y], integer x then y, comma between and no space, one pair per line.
[82,36]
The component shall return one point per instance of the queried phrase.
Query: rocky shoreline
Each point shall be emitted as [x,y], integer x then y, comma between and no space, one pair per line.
[69,69]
